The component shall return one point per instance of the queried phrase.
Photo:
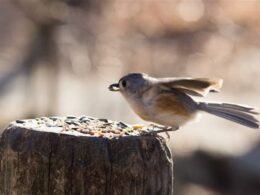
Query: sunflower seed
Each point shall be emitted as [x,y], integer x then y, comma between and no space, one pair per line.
[71,117]
[20,121]
[122,125]
[103,120]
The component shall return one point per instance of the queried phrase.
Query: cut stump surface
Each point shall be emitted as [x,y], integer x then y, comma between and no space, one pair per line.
[82,155]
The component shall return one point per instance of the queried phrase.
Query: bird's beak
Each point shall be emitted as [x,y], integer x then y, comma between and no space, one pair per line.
[114,87]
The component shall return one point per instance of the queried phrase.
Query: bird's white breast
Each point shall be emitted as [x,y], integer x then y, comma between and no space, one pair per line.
[139,106]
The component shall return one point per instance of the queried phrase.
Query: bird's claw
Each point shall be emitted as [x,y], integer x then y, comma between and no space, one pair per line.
[162,129]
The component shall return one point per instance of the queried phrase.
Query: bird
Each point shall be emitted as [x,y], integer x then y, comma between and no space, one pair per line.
[169,101]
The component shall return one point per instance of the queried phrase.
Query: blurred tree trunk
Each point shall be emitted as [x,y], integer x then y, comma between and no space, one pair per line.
[46,53]
[45,16]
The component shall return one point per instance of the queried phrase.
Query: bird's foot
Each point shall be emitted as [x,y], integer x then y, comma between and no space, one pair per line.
[162,129]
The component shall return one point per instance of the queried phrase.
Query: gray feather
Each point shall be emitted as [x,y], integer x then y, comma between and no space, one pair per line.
[236,113]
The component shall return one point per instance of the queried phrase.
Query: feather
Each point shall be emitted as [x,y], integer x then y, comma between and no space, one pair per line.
[236,113]
[167,102]
[195,87]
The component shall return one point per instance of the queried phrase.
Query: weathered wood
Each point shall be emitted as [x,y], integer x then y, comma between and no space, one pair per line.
[46,161]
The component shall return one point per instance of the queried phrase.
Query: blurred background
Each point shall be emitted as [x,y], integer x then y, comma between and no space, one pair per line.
[57,57]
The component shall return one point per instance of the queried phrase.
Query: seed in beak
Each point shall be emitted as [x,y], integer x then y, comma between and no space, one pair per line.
[114,87]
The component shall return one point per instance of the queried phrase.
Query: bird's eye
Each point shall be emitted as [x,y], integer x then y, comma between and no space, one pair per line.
[123,83]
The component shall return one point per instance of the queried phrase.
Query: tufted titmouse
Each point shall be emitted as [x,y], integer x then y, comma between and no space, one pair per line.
[167,101]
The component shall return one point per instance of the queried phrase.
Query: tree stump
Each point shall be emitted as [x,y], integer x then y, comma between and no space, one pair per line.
[83,155]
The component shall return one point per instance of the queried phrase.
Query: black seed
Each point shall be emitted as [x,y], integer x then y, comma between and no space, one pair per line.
[103,126]
[103,120]
[44,119]
[20,121]
[54,118]
[122,125]
[71,117]
[71,123]
[76,124]
[83,118]
[68,122]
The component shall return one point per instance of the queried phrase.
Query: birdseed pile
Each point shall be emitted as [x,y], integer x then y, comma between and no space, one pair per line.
[84,126]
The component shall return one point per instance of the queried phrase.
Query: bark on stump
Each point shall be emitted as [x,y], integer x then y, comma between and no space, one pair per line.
[72,156]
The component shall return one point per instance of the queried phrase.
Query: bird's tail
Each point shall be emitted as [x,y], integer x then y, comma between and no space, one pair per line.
[236,113]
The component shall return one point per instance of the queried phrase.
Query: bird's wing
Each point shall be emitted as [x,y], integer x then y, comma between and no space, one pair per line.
[192,86]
